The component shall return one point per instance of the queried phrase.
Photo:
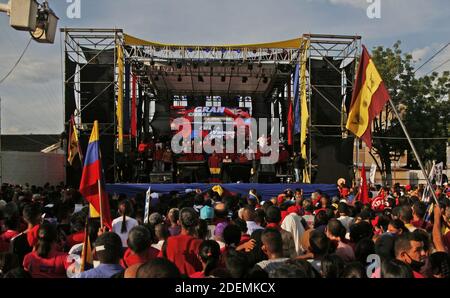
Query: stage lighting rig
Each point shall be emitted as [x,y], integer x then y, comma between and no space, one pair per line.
[29,15]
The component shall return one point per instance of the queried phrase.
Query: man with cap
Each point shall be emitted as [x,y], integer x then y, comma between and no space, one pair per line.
[108,249]
[207,214]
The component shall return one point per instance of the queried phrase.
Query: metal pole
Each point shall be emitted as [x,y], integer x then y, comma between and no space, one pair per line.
[414,150]
[100,202]
[357,163]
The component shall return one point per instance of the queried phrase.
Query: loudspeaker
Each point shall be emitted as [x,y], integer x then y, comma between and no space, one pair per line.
[161,177]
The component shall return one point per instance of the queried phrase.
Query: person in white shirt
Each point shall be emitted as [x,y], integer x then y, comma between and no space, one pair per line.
[249,216]
[343,216]
[123,224]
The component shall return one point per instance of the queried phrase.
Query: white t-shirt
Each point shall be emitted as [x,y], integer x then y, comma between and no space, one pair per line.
[117,226]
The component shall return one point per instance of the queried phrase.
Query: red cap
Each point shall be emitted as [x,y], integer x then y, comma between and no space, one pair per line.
[408,187]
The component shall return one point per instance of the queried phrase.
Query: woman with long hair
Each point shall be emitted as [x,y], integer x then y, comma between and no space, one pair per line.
[209,254]
[123,224]
[45,261]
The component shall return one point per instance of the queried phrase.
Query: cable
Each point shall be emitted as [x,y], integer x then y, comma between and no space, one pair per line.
[440,65]
[17,62]
[387,138]
[429,59]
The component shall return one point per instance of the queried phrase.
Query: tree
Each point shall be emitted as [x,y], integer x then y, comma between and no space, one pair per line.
[423,104]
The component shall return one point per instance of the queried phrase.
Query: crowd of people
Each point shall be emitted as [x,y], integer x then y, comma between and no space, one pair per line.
[225,235]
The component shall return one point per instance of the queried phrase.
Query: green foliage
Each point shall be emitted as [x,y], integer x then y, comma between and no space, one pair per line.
[423,103]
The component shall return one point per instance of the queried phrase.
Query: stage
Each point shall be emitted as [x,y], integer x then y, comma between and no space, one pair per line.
[266,191]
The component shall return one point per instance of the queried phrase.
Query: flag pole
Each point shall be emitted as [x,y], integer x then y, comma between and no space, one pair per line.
[100,203]
[414,150]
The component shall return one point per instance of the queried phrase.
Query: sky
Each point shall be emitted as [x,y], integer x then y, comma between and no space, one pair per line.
[32,97]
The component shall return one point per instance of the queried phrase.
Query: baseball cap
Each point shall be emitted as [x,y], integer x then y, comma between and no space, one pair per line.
[206,212]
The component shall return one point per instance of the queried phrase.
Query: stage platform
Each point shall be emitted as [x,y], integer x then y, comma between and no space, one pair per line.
[267,191]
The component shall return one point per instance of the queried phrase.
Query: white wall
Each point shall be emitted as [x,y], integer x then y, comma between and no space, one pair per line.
[34,168]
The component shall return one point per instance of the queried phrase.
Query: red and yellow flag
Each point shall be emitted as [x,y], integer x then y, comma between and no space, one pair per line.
[74,144]
[368,99]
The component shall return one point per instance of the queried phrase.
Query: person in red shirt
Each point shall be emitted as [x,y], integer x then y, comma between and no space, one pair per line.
[11,224]
[158,159]
[77,237]
[139,249]
[282,160]
[45,261]
[209,254]
[214,163]
[183,249]
[418,211]
[409,249]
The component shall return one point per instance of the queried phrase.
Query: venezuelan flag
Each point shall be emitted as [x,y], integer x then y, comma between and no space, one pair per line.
[92,176]
[368,99]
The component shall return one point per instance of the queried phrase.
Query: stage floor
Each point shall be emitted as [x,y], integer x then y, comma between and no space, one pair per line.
[266,190]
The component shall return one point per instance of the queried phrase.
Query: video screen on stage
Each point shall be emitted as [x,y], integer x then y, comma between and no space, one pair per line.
[212,122]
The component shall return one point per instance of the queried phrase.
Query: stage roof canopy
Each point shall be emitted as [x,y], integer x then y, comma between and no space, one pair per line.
[239,69]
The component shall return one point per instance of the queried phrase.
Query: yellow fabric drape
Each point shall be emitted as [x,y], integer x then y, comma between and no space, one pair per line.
[119,110]
[285,44]
[304,108]
[73,145]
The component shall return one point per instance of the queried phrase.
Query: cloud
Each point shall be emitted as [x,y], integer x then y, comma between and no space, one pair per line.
[31,98]
[353,3]
[439,63]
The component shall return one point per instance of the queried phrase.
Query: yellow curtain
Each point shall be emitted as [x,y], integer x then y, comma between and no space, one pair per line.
[285,44]
[304,107]
[120,66]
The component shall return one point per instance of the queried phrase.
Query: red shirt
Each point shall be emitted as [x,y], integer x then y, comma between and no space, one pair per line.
[417,223]
[199,274]
[75,238]
[5,239]
[244,238]
[159,154]
[182,250]
[54,266]
[284,156]
[214,162]
[143,147]
[130,258]
[32,235]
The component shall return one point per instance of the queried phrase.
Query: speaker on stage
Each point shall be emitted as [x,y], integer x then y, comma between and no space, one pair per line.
[161,177]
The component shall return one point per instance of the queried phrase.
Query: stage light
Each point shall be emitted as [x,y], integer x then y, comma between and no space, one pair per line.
[265,80]
[244,80]
[179,78]
[223,78]
[200,78]
[179,65]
